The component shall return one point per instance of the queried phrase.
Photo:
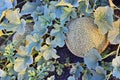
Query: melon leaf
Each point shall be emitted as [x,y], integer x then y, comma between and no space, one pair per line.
[28,8]
[51,78]
[91,58]
[99,74]
[49,52]
[104,19]
[71,78]
[58,32]
[114,35]
[34,41]
[67,13]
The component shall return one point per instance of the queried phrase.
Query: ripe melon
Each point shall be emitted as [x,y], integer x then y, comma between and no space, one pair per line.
[84,35]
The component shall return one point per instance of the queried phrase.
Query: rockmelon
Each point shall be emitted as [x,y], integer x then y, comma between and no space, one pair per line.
[84,35]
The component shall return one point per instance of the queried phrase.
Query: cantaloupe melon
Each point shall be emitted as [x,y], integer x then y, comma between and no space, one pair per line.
[84,35]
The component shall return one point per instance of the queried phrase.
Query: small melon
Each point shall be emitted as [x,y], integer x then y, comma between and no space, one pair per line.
[84,35]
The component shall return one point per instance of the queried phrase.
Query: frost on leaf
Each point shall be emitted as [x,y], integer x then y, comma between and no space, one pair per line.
[49,52]
[51,78]
[34,41]
[2,73]
[104,18]
[116,67]
[64,3]
[73,2]
[12,16]
[12,21]
[59,33]
[67,13]
[114,35]
[23,59]
[91,58]
[71,78]
[99,74]
[55,9]
[28,8]
[76,70]
[5,4]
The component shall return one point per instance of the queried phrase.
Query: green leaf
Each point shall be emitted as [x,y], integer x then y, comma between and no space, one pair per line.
[58,32]
[40,30]
[2,73]
[114,34]
[46,20]
[20,28]
[104,18]
[39,10]
[82,8]
[23,59]
[12,16]
[49,52]
[87,75]
[76,70]
[51,78]
[34,41]
[91,58]
[73,2]
[116,66]
[5,4]
[21,75]
[28,8]
[22,51]
[9,52]
[71,78]
[63,3]
[21,64]
[99,74]
[68,12]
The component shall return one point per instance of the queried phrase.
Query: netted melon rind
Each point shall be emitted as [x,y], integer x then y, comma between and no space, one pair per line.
[84,35]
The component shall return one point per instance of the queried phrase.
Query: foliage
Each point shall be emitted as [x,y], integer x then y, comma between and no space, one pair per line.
[32,52]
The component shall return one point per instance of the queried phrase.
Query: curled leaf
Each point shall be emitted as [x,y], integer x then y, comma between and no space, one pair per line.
[114,34]
[91,58]
[104,18]
[49,52]
[63,3]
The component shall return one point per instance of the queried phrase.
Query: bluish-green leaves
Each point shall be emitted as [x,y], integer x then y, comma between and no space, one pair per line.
[32,52]
[23,60]
[99,74]
[73,2]
[12,21]
[76,70]
[58,32]
[9,52]
[49,52]
[34,41]
[116,65]
[114,34]
[71,78]
[104,18]
[28,8]
[5,4]
[51,78]
[91,58]
[2,73]
[67,13]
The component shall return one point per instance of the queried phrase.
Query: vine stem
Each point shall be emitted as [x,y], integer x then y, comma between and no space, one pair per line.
[109,76]
[112,53]
[117,53]
[117,7]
